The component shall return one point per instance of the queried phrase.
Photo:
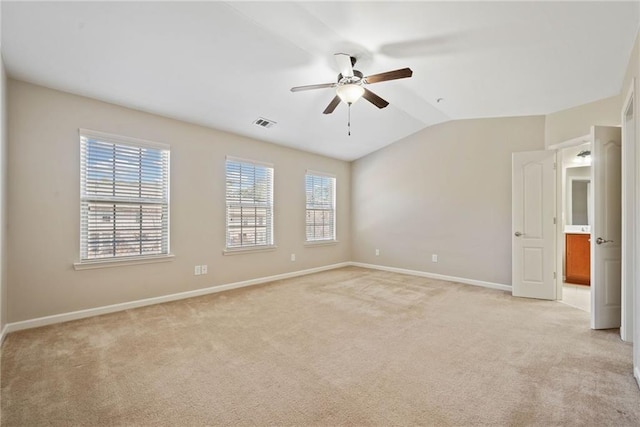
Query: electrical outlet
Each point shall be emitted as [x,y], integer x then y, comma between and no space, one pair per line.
[197,271]
[203,269]
[377,252]
[434,258]
[293,257]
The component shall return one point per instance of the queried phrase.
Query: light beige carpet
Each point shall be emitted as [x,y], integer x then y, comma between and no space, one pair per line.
[343,347]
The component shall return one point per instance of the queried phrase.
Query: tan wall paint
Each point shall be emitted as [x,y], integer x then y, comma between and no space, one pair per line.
[577,121]
[445,190]
[43,200]
[3,196]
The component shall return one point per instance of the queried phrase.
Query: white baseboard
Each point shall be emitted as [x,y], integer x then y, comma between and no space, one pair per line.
[81,314]
[491,285]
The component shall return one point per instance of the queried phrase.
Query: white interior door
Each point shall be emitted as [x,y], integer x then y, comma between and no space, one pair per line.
[606,253]
[533,224]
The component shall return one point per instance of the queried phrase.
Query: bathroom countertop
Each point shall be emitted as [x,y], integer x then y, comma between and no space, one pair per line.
[577,229]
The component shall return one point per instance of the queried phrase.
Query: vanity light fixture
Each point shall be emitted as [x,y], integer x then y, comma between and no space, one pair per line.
[583,158]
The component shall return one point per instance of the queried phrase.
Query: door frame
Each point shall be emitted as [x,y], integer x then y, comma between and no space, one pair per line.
[626,292]
[560,194]
[629,213]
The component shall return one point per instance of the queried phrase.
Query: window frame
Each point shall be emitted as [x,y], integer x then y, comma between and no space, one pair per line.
[269,206]
[333,208]
[84,261]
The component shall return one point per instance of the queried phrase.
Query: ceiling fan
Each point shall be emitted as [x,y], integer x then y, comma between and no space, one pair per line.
[350,85]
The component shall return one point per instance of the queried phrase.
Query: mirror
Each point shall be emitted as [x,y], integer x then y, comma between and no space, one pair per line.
[578,194]
[579,202]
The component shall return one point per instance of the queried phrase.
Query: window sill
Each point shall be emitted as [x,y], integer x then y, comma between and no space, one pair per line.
[119,262]
[253,249]
[313,243]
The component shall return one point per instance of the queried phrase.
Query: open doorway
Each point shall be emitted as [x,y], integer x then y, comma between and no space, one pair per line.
[600,238]
[575,225]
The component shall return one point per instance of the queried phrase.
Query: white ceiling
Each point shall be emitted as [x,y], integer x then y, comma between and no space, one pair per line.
[224,64]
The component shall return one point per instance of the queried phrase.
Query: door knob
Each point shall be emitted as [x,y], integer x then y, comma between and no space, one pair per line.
[518,234]
[600,241]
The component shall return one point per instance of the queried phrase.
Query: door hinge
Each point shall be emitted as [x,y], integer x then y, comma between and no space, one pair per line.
[554,165]
[554,274]
[554,219]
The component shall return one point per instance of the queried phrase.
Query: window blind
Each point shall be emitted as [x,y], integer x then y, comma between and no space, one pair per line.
[249,204]
[124,199]
[320,221]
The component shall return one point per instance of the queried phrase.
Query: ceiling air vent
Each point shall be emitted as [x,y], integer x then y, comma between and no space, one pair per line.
[264,123]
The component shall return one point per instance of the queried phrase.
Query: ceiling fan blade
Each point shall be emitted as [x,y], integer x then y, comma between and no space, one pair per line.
[374,99]
[344,64]
[309,87]
[389,75]
[332,105]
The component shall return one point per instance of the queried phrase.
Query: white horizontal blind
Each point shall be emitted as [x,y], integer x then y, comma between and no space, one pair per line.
[249,204]
[124,193]
[321,213]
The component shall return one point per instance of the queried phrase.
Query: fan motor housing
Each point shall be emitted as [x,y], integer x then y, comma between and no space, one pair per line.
[357,77]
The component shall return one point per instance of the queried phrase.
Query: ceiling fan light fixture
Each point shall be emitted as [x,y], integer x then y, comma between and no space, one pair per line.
[350,93]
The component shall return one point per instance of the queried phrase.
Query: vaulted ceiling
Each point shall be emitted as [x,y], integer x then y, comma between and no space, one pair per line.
[224,64]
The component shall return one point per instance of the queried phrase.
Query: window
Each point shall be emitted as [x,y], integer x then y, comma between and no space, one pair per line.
[124,197]
[321,211]
[249,204]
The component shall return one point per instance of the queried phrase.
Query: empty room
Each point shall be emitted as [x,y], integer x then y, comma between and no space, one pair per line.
[319,213]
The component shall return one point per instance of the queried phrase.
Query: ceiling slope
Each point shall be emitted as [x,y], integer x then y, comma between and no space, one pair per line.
[223,65]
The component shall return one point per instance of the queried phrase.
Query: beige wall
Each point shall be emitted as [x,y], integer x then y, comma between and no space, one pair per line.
[44,210]
[575,122]
[3,197]
[445,190]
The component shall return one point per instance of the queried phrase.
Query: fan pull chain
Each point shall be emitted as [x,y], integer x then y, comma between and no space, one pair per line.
[349,121]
